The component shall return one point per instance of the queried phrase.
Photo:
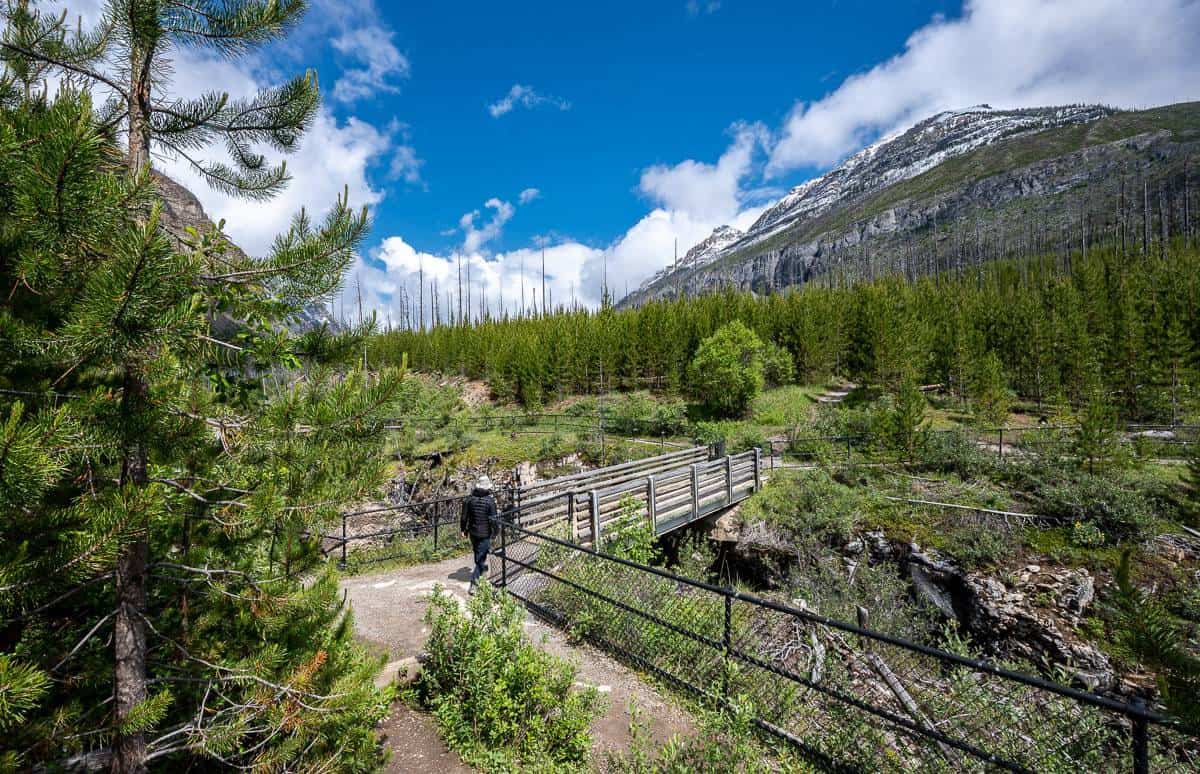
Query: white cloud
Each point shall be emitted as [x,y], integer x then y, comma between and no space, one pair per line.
[528,195]
[524,96]
[696,7]
[476,237]
[707,191]
[494,282]
[1006,53]
[382,64]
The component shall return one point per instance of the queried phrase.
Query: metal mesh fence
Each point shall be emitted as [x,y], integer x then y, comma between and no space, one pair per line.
[848,696]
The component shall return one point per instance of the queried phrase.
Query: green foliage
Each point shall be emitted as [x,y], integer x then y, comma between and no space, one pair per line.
[22,686]
[903,422]
[1042,318]
[631,536]
[1192,485]
[157,416]
[727,372]
[1086,534]
[1096,437]
[501,702]
[778,367]
[1117,509]
[977,547]
[991,399]
[810,505]
[1153,634]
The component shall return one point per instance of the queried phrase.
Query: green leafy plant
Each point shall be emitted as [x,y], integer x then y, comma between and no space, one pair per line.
[1153,634]
[727,371]
[501,702]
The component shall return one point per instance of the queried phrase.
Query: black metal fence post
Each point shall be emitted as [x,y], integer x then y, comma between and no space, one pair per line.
[503,555]
[436,519]
[1141,738]
[1001,431]
[342,564]
[727,641]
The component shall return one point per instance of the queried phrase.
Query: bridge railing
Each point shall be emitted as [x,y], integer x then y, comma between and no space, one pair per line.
[669,492]
[849,696]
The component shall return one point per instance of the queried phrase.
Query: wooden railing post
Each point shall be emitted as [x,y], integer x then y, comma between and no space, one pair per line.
[595,519]
[695,490]
[757,468]
[651,511]
[728,480]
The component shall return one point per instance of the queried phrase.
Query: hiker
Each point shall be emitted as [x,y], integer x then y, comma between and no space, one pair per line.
[478,522]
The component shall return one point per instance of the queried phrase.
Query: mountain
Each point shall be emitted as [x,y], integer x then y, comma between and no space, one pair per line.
[182,210]
[975,181]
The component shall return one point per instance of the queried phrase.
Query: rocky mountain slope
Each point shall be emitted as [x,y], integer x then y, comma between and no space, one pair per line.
[182,210]
[977,180]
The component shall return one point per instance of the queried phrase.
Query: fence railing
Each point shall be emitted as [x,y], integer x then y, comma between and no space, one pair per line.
[436,519]
[850,697]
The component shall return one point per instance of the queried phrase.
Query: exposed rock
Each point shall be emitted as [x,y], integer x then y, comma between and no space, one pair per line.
[861,219]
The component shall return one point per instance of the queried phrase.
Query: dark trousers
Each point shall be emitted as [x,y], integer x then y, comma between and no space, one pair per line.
[481,546]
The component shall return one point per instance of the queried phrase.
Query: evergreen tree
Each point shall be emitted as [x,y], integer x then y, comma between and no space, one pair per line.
[164,478]
[907,417]
[991,399]
[1096,436]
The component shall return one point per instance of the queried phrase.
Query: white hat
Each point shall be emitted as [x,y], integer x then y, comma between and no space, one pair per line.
[484,483]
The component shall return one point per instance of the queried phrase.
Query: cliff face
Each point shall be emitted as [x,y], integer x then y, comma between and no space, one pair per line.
[957,188]
[181,210]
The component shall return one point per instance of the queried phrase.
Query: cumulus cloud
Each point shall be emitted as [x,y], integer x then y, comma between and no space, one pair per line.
[476,237]
[524,96]
[381,64]
[391,277]
[528,195]
[707,191]
[1006,53]
[691,199]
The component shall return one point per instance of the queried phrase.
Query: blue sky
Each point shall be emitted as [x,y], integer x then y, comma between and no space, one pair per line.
[646,83]
[609,132]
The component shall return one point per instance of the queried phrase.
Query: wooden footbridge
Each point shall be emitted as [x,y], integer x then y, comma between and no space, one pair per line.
[671,490]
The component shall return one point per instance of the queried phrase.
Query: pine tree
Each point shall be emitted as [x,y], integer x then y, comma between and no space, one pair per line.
[991,397]
[164,477]
[1096,437]
[907,417]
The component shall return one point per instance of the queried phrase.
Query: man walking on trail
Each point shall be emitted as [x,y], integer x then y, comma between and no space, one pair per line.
[478,522]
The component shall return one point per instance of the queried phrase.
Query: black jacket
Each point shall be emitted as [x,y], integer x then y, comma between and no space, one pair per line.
[479,515]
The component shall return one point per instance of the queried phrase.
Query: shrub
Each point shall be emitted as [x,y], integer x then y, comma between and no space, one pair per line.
[1085,534]
[953,451]
[977,547]
[810,505]
[503,704]
[778,366]
[727,371]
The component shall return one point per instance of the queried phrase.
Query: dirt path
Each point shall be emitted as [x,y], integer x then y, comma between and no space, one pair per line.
[388,608]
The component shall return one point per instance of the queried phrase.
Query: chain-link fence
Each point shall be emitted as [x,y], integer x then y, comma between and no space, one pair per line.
[850,697]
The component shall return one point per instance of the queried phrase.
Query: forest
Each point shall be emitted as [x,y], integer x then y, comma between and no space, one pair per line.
[1118,319]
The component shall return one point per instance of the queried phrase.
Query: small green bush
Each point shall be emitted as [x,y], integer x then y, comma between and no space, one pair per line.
[727,371]
[977,547]
[778,366]
[502,703]
[1085,534]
